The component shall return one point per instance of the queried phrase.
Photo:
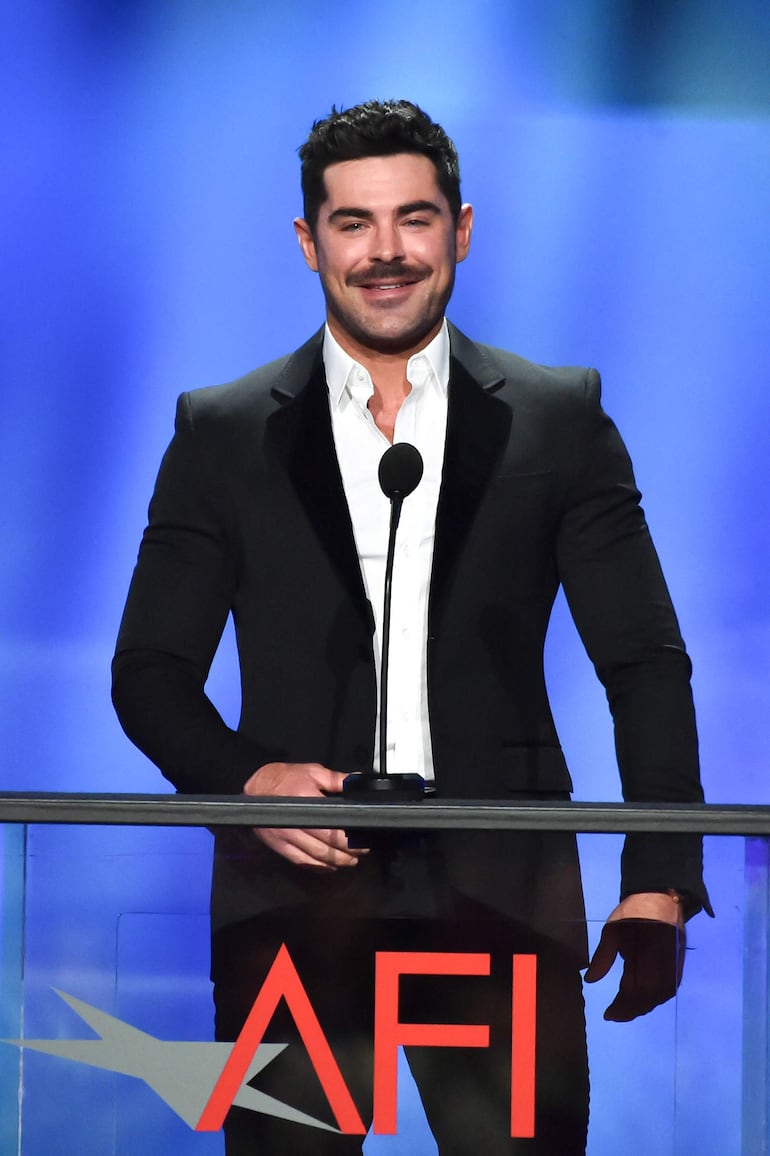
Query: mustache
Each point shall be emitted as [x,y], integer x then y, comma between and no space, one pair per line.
[386,271]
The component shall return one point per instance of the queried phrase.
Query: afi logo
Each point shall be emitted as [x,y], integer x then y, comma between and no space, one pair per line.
[283,981]
[200,1081]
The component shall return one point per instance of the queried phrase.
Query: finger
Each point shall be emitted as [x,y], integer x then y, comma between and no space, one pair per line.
[322,849]
[341,840]
[654,962]
[299,851]
[604,956]
[633,999]
[632,1002]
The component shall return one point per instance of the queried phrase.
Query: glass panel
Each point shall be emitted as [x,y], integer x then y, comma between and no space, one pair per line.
[116,943]
[756,939]
[709,1072]
[87,888]
[633,1065]
[12,845]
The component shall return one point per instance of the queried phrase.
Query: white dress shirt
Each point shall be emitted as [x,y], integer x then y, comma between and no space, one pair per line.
[421,420]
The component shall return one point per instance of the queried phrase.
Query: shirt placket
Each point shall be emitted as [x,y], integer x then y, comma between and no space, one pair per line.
[404,711]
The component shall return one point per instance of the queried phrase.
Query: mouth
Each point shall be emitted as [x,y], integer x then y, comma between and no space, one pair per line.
[388,292]
[401,283]
[388,288]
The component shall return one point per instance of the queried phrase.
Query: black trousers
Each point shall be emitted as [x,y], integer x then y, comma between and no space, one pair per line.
[466,1092]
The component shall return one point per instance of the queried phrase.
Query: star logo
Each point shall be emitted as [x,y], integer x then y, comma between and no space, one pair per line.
[183,1074]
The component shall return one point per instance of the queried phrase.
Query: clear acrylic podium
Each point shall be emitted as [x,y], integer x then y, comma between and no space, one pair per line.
[106,1014]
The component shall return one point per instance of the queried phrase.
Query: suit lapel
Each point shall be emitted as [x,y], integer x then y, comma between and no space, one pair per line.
[478,428]
[300,434]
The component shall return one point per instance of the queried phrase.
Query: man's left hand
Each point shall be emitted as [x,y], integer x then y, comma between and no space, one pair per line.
[647,931]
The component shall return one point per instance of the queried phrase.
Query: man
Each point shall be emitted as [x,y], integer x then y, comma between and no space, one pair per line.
[267,507]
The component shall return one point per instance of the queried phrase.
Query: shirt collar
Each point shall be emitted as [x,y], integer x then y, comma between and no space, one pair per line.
[432,362]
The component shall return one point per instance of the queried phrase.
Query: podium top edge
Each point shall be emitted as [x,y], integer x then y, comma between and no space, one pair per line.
[429,814]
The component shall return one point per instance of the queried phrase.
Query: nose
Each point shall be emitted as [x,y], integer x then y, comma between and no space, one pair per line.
[387,243]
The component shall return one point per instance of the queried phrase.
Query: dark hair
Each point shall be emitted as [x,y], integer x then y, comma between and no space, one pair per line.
[375,129]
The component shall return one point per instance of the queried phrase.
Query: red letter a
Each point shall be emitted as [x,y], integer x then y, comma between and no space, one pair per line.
[282,981]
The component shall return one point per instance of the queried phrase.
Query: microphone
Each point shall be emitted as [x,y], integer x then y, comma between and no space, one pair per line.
[399,473]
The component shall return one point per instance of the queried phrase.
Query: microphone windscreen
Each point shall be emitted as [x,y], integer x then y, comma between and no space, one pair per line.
[400,470]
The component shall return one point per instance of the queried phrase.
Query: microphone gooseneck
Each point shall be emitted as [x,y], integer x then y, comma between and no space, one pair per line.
[399,473]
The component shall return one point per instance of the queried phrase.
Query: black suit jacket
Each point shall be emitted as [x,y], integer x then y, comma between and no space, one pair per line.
[249,517]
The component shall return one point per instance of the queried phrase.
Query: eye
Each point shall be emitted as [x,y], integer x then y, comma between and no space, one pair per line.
[353,227]
[415,222]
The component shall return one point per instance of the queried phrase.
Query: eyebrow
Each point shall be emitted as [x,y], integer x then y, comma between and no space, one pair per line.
[401,211]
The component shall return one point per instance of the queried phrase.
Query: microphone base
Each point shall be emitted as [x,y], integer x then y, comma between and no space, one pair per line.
[369,788]
[407,788]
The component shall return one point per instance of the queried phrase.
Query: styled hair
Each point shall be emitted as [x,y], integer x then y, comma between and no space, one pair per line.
[375,129]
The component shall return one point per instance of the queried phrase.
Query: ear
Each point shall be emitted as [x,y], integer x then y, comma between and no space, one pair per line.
[306,242]
[463,230]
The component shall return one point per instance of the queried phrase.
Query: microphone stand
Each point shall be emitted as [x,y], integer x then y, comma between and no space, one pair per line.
[400,473]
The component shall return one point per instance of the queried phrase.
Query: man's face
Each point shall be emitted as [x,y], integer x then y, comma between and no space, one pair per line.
[385,247]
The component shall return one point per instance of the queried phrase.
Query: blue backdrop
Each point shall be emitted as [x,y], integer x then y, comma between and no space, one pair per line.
[618,157]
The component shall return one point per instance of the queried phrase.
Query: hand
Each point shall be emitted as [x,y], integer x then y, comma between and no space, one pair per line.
[321,850]
[647,931]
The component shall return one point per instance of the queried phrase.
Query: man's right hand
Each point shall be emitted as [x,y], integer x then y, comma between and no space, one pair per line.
[319,850]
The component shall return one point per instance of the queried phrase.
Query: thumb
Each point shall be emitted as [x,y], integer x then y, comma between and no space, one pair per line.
[328,781]
[604,956]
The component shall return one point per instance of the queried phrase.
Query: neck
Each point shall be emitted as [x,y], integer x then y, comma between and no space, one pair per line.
[388,374]
[387,370]
[385,403]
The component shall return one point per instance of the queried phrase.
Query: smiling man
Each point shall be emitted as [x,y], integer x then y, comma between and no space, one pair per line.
[267,506]
[387,264]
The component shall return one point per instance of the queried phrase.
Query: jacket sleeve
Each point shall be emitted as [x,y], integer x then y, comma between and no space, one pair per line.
[621,605]
[178,603]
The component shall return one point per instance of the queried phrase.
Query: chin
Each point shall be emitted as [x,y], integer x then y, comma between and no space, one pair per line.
[396,340]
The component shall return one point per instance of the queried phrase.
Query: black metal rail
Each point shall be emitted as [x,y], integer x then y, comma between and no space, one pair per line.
[431,814]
